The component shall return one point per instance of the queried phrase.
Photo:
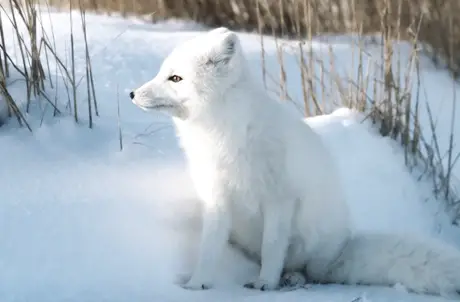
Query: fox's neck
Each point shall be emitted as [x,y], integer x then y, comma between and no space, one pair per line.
[222,109]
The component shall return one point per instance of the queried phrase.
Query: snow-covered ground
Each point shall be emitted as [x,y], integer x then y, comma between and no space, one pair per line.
[81,220]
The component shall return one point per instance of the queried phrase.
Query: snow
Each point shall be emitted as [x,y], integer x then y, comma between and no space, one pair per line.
[81,220]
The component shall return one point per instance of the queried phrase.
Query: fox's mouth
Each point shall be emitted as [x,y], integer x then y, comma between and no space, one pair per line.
[154,106]
[161,106]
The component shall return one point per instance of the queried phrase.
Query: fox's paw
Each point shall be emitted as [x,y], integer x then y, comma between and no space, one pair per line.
[196,286]
[186,282]
[261,285]
[293,279]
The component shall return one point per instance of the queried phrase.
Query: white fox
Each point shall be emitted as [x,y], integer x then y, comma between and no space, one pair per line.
[269,184]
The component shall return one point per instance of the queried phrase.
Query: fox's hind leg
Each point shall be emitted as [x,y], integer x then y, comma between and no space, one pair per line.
[291,280]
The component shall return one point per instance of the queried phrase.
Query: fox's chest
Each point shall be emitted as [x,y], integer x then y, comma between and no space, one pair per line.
[215,154]
[226,165]
[219,168]
[246,165]
[246,170]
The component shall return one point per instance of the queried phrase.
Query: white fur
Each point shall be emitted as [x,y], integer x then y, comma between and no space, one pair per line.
[270,186]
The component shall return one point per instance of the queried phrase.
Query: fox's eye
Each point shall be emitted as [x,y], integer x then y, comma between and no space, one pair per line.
[175,78]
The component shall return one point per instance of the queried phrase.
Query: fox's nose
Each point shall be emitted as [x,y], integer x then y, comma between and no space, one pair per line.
[131,95]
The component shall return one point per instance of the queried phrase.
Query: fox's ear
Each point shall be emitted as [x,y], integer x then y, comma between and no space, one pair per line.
[224,47]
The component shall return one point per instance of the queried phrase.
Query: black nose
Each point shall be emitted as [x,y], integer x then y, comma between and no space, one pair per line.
[131,95]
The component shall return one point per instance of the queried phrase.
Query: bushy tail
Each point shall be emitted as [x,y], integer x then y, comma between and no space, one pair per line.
[420,265]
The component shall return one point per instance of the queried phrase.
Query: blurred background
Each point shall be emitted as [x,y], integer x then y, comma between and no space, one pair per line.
[434,22]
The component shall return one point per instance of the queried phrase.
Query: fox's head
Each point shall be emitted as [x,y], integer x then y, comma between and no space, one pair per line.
[196,73]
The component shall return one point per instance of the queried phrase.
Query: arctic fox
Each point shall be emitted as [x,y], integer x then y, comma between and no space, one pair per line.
[269,184]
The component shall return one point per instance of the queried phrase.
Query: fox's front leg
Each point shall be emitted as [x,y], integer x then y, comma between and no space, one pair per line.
[275,242]
[214,237]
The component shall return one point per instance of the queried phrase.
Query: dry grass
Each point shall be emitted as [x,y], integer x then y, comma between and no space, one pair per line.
[439,29]
[35,57]
[381,89]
